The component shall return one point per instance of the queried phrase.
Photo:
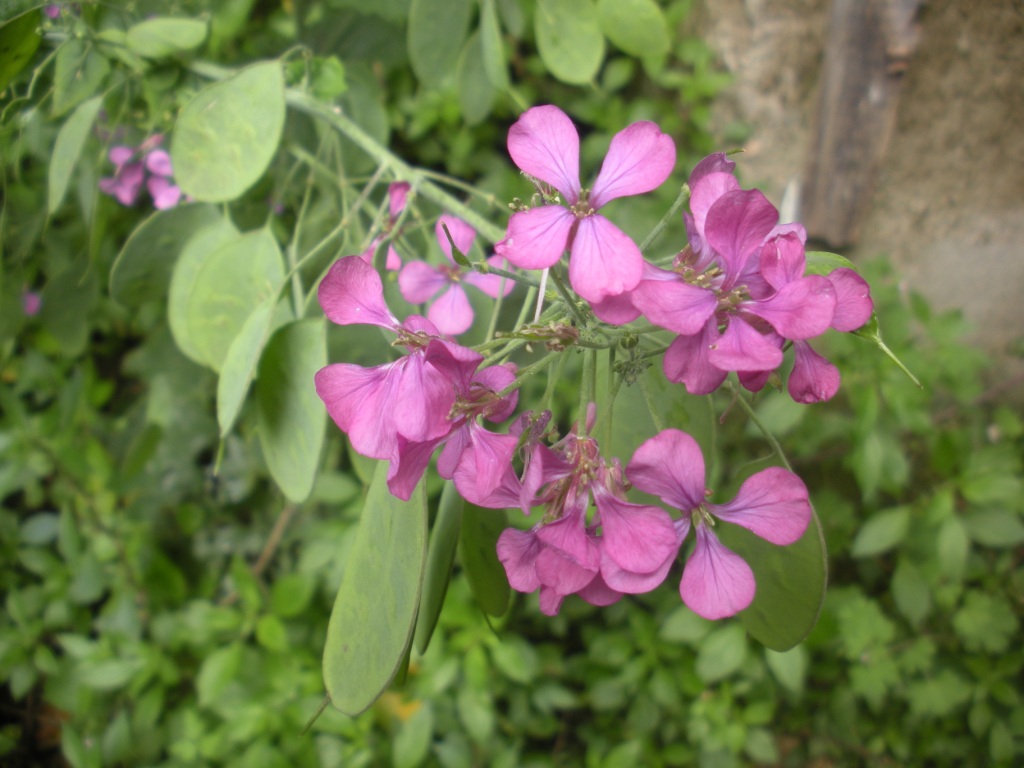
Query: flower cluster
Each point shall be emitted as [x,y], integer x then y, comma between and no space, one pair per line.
[735,298]
[134,167]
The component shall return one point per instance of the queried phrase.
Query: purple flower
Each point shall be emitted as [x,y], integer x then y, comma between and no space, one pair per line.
[53,11]
[398,193]
[772,503]
[738,291]
[135,166]
[420,282]
[406,399]
[31,303]
[603,260]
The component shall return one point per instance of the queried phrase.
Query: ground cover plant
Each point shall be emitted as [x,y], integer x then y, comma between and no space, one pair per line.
[225,539]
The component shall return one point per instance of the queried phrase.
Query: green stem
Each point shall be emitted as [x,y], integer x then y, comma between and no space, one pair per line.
[567,297]
[758,423]
[529,371]
[649,401]
[587,386]
[684,195]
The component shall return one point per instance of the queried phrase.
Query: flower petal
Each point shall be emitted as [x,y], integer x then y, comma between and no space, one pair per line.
[407,467]
[670,465]
[716,581]
[352,293]
[783,259]
[544,143]
[159,162]
[492,455]
[598,593]
[424,399]
[676,305]
[801,309]
[537,238]
[638,538]
[619,579]
[419,282]
[164,193]
[853,299]
[686,361]
[604,261]
[517,551]
[813,378]
[451,312]
[737,223]
[639,159]
[741,348]
[772,503]
[398,193]
[361,401]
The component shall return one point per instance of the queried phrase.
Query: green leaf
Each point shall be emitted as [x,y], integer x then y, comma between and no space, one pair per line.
[444,538]
[881,533]
[412,742]
[495,61]
[638,27]
[995,528]
[226,136]
[790,583]
[193,256]
[217,672]
[291,415]
[722,653]
[142,270]
[239,366]
[476,92]
[271,633]
[788,667]
[824,263]
[374,613]
[479,555]
[78,74]
[19,39]
[291,593]
[985,623]
[234,279]
[569,39]
[437,33]
[910,592]
[164,36]
[953,548]
[67,149]
[871,332]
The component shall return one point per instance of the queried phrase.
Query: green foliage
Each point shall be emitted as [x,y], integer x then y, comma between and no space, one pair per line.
[175,521]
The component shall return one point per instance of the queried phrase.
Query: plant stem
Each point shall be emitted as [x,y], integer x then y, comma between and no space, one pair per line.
[684,195]
[746,406]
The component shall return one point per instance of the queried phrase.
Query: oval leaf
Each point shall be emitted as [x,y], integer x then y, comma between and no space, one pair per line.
[163,36]
[67,149]
[78,74]
[479,555]
[437,33]
[638,27]
[240,364]
[824,263]
[227,134]
[443,540]
[231,283]
[292,418]
[476,93]
[790,583]
[142,270]
[375,611]
[881,533]
[183,279]
[569,39]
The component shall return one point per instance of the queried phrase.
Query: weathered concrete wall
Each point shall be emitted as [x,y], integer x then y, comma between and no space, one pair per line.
[948,206]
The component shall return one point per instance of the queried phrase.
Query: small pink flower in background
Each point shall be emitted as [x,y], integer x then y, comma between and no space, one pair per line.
[398,193]
[772,504]
[420,282]
[53,11]
[603,260]
[135,166]
[31,303]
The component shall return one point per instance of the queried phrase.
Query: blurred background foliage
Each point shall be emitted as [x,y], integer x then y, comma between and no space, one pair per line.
[158,613]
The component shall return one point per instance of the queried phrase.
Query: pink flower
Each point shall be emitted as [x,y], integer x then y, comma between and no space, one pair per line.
[31,303]
[772,503]
[738,291]
[398,193]
[603,260]
[420,282]
[153,167]
[407,399]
